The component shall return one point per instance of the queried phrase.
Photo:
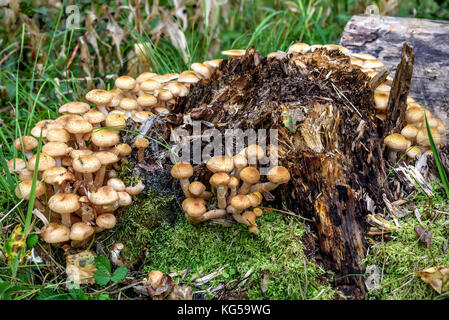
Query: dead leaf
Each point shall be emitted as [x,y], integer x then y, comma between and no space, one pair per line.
[436,277]
[424,235]
[163,290]
[182,292]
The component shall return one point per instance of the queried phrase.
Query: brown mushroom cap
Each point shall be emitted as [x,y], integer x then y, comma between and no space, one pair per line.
[78,126]
[219,179]
[220,164]
[146,100]
[45,162]
[250,175]
[58,135]
[422,137]
[194,207]
[80,152]
[381,100]
[234,53]
[74,107]
[150,85]
[182,170]
[188,77]
[104,195]
[145,76]
[81,231]
[57,175]
[23,190]
[125,83]
[16,164]
[215,63]
[409,132]
[117,184]
[106,157]
[123,149]
[300,48]
[196,188]
[155,278]
[128,104]
[397,142]
[233,182]
[55,233]
[55,149]
[106,221]
[124,198]
[278,175]
[240,202]
[116,120]
[64,203]
[99,97]
[201,69]
[94,116]
[414,152]
[240,161]
[105,138]
[86,164]
[255,198]
[29,143]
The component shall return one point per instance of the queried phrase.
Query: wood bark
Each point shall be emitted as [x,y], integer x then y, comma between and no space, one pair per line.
[383,37]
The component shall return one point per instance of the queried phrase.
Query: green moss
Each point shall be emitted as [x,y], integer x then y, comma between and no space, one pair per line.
[404,255]
[277,252]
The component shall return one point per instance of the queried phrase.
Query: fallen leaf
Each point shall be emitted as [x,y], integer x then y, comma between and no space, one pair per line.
[80,267]
[437,277]
[182,292]
[424,235]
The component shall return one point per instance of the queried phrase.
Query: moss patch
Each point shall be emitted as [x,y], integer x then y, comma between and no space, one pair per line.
[402,256]
[277,255]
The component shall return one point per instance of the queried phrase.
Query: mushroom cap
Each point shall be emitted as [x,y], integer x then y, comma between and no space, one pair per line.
[414,114]
[196,188]
[99,97]
[128,104]
[250,175]
[123,149]
[64,119]
[233,182]
[414,152]
[258,212]
[80,152]
[220,164]
[441,127]
[94,116]
[255,199]
[81,231]
[188,76]
[142,143]
[145,76]
[165,77]
[105,138]
[29,143]
[106,157]
[23,190]
[240,161]
[301,48]
[234,53]
[146,100]
[55,233]
[124,199]
[163,95]
[240,202]
[45,162]
[64,203]
[381,100]
[55,149]
[254,152]
[194,207]
[78,126]
[155,277]
[337,47]
[383,87]
[106,221]
[74,107]
[16,164]
[86,164]
[176,88]
[150,85]
[125,83]
[409,132]
[116,120]
[182,170]
[57,175]
[278,175]
[373,64]
[58,135]
[397,142]
[117,184]
[201,69]
[249,216]
[219,179]
[363,56]
[422,137]
[215,63]
[104,195]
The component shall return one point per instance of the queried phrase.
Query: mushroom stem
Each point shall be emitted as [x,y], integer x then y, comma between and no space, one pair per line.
[221,196]
[263,187]
[99,176]
[80,140]
[66,219]
[245,188]
[213,214]
[88,179]
[185,187]
[135,190]
[206,195]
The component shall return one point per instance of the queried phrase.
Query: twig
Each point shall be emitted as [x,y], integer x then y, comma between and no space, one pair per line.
[286,212]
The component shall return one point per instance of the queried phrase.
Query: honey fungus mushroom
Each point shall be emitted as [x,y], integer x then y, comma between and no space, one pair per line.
[276,176]
[182,171]
[65,204]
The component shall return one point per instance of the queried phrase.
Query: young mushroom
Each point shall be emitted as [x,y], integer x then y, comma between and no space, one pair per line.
[220,181]
[55,233]
[64,204]
[198,190]
[182,171]
[141,144]
[249,176]
[276,176]
[29,143]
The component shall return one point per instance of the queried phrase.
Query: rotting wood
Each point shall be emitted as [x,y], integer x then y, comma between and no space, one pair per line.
[430,42]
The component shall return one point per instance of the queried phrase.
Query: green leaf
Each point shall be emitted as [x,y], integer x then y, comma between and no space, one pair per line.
[225,275]
[101,261]
[50,294]
[32,240]
[102,275]
[119,274]
[78,294]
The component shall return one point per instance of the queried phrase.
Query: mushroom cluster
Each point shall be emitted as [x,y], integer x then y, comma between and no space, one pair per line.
[77,187]
[237,184]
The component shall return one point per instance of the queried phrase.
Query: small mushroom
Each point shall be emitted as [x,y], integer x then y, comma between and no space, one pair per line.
[141,144]
[249,176]
[55,233]
[106,221]
[135,190]
[198,190]
[64,204]
[182,171]
[220,181]
[81,231]
[29,143]
[276,176]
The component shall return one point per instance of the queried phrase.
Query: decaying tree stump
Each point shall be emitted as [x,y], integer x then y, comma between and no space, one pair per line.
[383,37]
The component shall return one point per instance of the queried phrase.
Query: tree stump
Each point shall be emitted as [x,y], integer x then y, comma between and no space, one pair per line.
[383,37]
